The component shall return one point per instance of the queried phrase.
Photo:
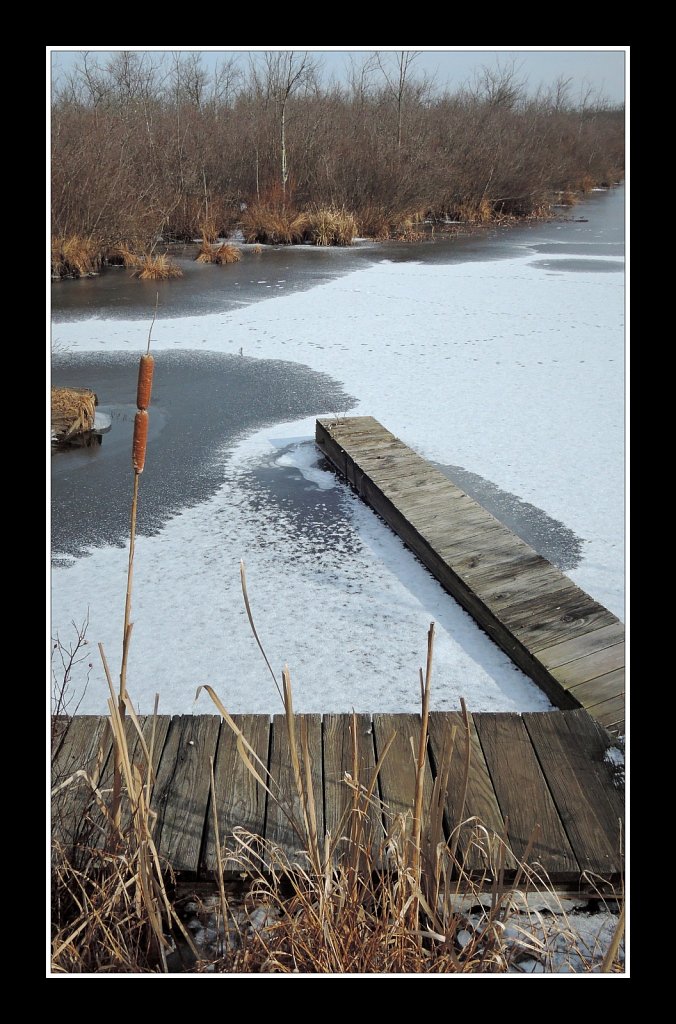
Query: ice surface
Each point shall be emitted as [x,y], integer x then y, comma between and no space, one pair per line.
[510,372]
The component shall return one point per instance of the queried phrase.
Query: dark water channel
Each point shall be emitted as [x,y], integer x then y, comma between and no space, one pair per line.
[203,403]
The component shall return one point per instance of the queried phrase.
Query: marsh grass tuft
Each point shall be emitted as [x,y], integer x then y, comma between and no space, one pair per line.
[157,268]
[76,256]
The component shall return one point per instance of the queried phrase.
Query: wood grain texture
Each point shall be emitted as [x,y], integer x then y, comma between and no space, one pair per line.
[85,747]
[182,789]
[523,794]
[344,810]
[240,798]
[478,852]
[551,768]
[286,830]
[524,603]
[609,713]
[397,774]
[571,650]
[587,815]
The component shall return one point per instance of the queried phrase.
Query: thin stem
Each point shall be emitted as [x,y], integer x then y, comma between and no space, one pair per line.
[157,302]
[126,633]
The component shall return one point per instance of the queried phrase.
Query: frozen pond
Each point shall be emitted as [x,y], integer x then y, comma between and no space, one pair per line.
[500,357]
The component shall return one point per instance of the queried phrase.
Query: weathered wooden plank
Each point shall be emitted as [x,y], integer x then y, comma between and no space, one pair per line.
[85,747]
[592,666]
[285,823]
[575,621]
[240,799]
[580,798]
[600,689]
[578,647]
[481,801]
[349,750]
[596,742]
[523,794]
[182,789]
[155,734]
[609,713]
[99,820]
[514,584]
[523,602]
[561,600]
[397,774]
[59,727]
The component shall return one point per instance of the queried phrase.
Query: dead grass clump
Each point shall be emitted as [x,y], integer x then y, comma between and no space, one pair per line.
[225,253]
[122,255]
[206,252]
[73,411]
[374,222]
[273,224]
[381,224]
[473,211]
[569,198]
[75,256]
[329,226]
[157,268]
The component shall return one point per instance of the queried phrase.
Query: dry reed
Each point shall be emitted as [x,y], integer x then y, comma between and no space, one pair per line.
[73,411]
[76,256]
[157,268]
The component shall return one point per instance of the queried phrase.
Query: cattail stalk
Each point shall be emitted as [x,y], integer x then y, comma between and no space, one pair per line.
[138,457]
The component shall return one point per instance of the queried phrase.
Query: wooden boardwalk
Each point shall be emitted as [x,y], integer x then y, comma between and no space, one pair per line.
[569,644]
[541,769]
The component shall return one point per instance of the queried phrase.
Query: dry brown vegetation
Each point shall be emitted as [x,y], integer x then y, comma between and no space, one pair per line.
[76,256]
[157,268]
[219,254]
[145,146]
[399,904]
[73,411]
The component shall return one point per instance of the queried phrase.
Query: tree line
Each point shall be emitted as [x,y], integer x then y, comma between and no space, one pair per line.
[148,146]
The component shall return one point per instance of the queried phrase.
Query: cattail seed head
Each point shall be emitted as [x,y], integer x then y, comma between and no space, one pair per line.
[140,441]
[145,381]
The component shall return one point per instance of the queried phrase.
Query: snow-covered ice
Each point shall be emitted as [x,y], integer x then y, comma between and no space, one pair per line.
[508,370]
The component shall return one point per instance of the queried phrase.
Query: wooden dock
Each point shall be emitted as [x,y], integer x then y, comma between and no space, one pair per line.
[569,644]
[540,769]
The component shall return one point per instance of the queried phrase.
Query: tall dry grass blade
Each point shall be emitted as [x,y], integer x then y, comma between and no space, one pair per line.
[614,946]
[465,777]
[435,839]
[309,796]
[219,857]
[246,752]
[242,574]
[293,753]
[420,768]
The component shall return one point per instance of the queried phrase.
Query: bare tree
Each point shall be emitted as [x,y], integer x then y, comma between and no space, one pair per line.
[396,78]
[500,86]
[287,72]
